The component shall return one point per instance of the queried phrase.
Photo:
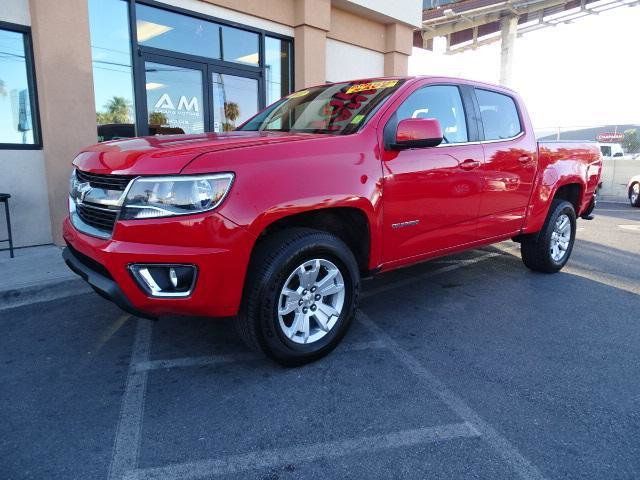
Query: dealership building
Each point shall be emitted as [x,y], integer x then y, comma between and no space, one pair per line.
[74,72]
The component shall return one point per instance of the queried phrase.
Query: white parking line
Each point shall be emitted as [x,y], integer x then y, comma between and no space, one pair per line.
[412,280]
[124,459]
[305,453]
[127,441]
[235,357]
[520,465]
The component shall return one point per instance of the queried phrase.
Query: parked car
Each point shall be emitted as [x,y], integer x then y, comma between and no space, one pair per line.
[277,222]
[633,188]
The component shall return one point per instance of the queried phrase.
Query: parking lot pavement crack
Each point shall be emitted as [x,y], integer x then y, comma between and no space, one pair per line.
[282,456]
[520,465]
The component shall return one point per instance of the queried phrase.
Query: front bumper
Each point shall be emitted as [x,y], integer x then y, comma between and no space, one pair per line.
[218,247]
[101,283]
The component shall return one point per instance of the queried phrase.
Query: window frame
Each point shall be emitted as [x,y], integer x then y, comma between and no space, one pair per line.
[138,51]
[467,97]
[25,30]
[481,121]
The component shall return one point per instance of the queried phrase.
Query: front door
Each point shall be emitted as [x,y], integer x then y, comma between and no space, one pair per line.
[431,195]
[184,96]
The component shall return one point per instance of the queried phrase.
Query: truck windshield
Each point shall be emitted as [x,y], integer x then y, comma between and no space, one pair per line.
[338,108]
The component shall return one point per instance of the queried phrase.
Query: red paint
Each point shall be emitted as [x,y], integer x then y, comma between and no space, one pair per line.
[461,195]
[416,129]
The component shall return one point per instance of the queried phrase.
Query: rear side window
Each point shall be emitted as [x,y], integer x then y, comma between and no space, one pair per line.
[442,102]
[500,117]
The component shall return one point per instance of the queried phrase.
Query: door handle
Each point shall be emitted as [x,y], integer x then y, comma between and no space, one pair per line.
[525,158]
[469,164]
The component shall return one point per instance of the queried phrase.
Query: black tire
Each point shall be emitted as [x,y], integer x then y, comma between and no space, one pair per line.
[536,249]
[274,260]
[636,202]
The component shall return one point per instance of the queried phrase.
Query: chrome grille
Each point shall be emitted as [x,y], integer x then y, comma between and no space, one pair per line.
[95,201]
[102,218]
[107,182]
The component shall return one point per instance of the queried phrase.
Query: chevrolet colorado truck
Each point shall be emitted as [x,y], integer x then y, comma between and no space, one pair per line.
[275,223]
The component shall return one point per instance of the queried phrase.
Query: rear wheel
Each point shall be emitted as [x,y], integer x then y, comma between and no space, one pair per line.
[550,249]
[301,296]
[634,195]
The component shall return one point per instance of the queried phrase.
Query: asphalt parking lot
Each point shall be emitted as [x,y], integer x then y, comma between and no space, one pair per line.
[466,367]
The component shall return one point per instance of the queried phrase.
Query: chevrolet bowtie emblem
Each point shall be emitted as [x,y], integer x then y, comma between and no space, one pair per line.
[82,190]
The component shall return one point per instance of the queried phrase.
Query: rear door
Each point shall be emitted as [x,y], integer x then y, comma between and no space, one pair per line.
[432,195]
[509,167]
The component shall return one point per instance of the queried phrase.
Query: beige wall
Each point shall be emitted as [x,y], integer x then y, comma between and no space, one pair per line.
[65,87]
[22,172]
[347,62]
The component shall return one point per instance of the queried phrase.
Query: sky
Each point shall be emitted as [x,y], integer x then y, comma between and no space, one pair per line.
[585,73]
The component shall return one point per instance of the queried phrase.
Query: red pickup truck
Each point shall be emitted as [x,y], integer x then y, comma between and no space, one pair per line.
[276,222]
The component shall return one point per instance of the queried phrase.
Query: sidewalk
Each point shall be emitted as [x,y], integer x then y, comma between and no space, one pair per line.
[36,274]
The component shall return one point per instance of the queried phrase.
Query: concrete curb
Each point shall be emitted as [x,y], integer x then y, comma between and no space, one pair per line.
[42,292]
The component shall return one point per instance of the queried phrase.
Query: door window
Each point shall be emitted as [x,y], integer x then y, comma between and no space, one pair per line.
[174,99]
[235,99]
[500,117]
[442,102]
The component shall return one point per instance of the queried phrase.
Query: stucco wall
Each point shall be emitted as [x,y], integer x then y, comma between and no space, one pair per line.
[22,172]
[346,62]
[22,175]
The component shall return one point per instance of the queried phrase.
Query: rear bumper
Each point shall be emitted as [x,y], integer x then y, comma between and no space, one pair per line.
[216,246]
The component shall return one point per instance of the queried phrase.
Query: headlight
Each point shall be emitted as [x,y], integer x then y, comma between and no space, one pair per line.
[151,197]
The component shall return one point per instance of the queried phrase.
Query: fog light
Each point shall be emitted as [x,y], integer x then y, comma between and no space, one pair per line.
[165,280]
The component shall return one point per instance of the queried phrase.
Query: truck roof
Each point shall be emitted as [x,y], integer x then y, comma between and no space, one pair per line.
[422,77]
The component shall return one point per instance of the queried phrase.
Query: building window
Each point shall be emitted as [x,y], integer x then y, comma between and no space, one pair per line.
[277,64]
[18,106]
[112,71]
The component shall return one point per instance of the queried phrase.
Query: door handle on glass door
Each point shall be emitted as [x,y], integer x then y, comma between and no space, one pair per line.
[469,164]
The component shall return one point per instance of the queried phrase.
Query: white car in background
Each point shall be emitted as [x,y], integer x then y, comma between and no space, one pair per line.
[634,191]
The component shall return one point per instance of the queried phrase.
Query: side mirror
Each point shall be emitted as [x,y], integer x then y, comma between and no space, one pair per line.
[417,133]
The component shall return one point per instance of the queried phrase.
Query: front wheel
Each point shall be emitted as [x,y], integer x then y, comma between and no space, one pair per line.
[634,195]
[550,249]
[301,296]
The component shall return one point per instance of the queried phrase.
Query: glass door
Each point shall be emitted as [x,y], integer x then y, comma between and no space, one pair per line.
[176,98]
[234,98]
[186,96]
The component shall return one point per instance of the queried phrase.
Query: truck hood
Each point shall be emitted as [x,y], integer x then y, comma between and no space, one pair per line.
[169,154]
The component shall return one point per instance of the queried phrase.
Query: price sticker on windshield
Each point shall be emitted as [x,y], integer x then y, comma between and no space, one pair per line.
[363,87]
[301,93]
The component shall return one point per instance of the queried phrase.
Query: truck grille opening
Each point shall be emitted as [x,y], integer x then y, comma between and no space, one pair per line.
[98,217]
[107,182]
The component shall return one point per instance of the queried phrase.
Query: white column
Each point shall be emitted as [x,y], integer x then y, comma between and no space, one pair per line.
[509,30]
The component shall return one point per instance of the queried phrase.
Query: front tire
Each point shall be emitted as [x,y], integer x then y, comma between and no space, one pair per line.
[634,195]
[550,249]
[300,297]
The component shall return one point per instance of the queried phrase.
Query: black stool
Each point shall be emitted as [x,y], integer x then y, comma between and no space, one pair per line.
[4,198]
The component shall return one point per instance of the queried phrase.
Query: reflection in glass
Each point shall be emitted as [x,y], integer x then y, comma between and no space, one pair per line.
[16,120]
[277,63]
[235,99]
[112,72]
[240,46]
[174,99]
[171,31]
